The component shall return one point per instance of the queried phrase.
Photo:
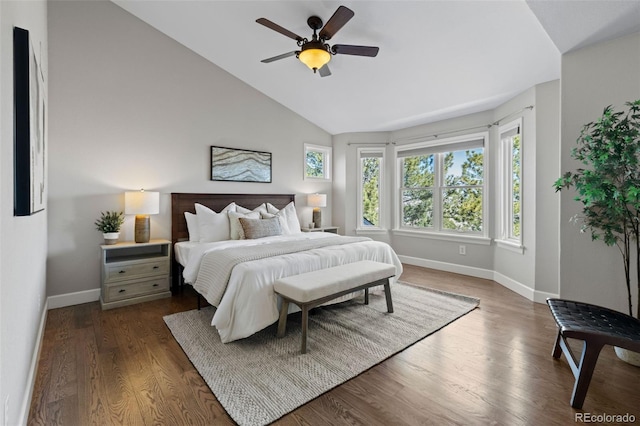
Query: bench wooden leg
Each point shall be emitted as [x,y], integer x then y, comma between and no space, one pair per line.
[590,353]
[282,322]
[557,348]
[366,296]
[387,295]
[305,324]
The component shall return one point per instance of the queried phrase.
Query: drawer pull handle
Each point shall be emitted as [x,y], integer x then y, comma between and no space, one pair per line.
[156,285]
[156,267]
[122,272]
[122,290]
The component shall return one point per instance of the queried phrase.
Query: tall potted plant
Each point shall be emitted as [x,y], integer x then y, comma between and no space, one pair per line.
[608,187]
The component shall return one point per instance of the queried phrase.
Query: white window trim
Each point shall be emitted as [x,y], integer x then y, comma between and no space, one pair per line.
[505,205]
[382,217]
[435,232]
[327,152]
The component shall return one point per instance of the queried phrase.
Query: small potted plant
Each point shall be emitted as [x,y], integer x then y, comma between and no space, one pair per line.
[109,224]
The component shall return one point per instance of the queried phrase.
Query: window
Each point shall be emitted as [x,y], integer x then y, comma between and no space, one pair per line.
[370,168]
[317,162]
[442,186]
[510,180]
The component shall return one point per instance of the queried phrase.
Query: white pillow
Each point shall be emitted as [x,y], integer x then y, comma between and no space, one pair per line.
[211,225]
[192,226]
[261,208]
[289,218]
[237,233]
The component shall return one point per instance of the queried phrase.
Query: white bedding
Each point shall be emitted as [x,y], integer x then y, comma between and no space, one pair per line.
[249,303]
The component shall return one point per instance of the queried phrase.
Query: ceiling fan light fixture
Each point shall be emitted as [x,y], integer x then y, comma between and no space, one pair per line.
[315,58]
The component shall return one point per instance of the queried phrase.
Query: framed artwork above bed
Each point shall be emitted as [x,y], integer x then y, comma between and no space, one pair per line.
[240,165]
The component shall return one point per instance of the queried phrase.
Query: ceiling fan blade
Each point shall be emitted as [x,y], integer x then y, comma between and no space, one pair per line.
[340,17]
[324,71]
[276,58]
[347,49]
[275,27]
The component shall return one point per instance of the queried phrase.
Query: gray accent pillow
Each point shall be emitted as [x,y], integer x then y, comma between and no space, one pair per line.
[260,228]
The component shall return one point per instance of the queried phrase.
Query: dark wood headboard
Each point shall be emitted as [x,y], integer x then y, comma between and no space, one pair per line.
[185,202]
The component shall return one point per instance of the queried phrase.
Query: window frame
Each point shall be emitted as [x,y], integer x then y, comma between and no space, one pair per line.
[437,231]
[505,238]
[326,152]
[381,193]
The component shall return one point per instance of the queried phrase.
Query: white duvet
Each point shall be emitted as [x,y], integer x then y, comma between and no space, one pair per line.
[249,303]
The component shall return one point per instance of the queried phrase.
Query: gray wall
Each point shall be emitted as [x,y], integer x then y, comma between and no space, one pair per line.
[592,78]
[130,108]
[23,248]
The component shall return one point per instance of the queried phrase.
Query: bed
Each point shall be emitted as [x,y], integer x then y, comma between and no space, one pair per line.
[236,276]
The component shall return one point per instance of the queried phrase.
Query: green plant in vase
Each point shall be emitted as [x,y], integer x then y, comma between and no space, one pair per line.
[109,224]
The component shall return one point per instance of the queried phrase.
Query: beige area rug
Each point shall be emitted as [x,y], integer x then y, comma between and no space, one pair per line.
[261,378]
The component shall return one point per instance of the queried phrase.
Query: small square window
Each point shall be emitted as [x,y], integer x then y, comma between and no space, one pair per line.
[317,162]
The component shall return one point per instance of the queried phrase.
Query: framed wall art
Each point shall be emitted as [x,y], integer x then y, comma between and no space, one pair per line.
[29,127]
[240,165]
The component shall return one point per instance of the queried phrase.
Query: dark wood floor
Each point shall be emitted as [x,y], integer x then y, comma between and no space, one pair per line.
[492,366]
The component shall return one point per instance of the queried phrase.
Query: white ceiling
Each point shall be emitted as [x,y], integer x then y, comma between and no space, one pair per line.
[437,60]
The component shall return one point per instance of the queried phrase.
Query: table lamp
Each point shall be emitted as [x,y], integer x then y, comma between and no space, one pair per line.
[316,201]
[142,203]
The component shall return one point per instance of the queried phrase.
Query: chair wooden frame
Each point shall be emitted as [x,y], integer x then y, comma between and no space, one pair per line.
[596,326]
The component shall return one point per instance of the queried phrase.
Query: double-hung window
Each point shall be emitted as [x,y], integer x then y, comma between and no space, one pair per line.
[370,194]
[442,186]
[510,182]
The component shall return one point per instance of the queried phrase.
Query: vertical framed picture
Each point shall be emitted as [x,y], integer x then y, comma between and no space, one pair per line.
[29,127]
[240,165]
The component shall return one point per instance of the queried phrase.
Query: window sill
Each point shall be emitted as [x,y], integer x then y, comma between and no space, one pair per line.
[371,231]
[471,239]
[510,246]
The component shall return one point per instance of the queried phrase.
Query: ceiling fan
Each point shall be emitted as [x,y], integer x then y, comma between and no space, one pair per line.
[316,53]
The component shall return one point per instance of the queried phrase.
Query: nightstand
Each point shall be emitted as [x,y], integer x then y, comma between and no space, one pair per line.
[332,229]
[134,272]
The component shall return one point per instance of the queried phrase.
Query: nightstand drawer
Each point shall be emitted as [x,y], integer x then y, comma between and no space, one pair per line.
[133,270]
[137,288]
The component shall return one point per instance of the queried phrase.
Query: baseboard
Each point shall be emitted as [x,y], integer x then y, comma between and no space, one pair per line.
[448,267]
[511,284]
[33,368]
[542,296]
[77,298]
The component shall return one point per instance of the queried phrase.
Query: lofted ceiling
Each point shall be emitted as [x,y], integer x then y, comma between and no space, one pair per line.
[437,60]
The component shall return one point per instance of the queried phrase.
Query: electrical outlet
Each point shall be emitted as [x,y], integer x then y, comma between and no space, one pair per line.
[462,250]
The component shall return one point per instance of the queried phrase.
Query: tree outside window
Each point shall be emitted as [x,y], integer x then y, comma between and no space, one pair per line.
[511,179]
[442,186]
[317,162]
[370,189]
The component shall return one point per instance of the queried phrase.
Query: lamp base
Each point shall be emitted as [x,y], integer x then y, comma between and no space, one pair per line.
[317,217]
[142,228]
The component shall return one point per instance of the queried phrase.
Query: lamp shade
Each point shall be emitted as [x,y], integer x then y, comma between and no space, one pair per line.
[141,202]
[317,200]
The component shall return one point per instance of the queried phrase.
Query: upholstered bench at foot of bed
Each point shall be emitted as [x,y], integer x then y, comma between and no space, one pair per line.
[595,326]
[312,289]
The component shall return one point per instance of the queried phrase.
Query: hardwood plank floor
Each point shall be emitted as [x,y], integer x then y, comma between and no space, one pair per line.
[492,366]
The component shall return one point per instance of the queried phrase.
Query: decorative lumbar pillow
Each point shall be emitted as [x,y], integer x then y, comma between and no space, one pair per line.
[213,226]
[260,228]
[192,226]
[237,233]
[290,223]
